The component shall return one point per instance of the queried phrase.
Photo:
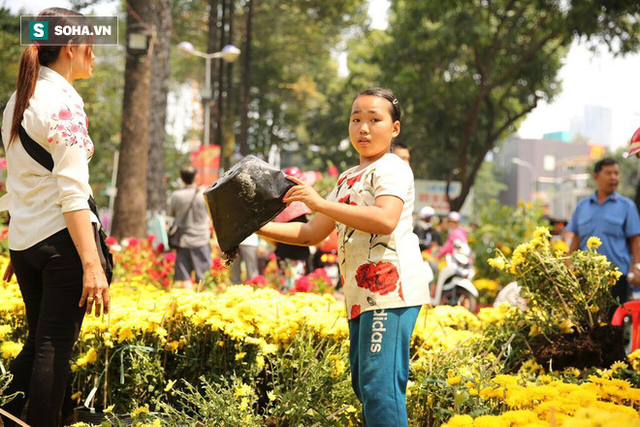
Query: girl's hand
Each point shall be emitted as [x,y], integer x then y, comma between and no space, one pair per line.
[303,193]
[95,290]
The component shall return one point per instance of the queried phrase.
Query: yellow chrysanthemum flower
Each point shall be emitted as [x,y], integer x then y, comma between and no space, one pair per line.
[594,242]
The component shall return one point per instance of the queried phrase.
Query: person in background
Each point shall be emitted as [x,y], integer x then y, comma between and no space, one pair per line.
[51,233]
[247,253]
[614,219]
[401,150]
[429,238]
[293,260]
[456,232]
[193,255]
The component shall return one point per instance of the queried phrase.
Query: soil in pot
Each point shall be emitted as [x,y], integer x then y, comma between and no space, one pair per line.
[598,348]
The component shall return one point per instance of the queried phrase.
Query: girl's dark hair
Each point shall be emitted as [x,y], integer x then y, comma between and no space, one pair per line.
[387,94]
[35,56]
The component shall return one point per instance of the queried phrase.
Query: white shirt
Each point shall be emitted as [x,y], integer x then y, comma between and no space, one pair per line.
[380,271]
[37,198]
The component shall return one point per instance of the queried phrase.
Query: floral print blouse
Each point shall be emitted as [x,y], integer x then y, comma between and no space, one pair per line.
[380,271]
[37,198]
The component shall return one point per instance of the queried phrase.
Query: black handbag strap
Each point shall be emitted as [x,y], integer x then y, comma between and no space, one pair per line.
[43,157]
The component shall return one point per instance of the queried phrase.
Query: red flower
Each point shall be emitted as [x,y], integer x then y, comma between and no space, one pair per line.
[160,247]
[170,256]
[111,240]
[333,171]
[258,280]
[217,264]
[355,179]
[346,199]
[355,311]
[380,277]
[303,284]
[151,238]
[133,242]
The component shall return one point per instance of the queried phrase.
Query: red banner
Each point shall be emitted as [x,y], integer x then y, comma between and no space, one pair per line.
[207,161]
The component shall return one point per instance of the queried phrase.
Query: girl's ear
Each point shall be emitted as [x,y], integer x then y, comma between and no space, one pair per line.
[396,129]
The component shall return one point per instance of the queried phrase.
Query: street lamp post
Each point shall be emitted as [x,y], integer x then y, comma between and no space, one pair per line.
[533,184]
[229,53]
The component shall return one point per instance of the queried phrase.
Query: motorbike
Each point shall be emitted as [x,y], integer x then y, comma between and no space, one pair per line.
[453,285]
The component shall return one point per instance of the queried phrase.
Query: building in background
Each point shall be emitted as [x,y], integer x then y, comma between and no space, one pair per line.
[595,125]
[556,173]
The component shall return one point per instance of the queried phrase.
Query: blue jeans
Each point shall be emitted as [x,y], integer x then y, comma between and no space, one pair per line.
[379,357]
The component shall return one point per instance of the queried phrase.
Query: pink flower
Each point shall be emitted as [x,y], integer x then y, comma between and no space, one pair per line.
[65,114]
[151,238]
[75,128]
[170,256]
[60,127]
[111,240]
[133,242]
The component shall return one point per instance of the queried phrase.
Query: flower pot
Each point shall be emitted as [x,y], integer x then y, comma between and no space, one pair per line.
[84,414]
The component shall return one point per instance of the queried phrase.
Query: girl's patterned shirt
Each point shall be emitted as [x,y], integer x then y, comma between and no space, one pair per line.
[380,271]
[37,198]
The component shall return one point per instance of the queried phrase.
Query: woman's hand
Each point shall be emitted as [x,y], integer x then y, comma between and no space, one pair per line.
[303,193]
[8,273]
[95,290]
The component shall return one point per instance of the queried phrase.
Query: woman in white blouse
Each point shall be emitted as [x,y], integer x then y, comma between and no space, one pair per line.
[51,236]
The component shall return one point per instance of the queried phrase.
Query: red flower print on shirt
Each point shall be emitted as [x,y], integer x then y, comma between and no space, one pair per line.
[341,180]
[400,291]
[352,181]
[65,114]
[346,199]
[355,311]
[380,277]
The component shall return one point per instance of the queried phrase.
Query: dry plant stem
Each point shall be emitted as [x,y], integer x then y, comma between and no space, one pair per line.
[504,348]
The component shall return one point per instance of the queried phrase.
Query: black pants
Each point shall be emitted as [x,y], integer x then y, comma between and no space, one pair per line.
[620,293]
[50,278]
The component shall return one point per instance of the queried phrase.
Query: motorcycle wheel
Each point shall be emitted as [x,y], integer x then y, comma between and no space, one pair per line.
[460,297]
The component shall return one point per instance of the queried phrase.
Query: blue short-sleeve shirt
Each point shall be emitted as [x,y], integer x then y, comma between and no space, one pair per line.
[614,221]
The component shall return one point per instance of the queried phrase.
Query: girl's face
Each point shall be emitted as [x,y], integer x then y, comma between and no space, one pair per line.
[82,62]
[371,128]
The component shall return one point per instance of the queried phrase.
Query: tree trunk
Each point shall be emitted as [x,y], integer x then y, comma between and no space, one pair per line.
[129,218]
[245,84]
[228,128]
[156,188]
[219,67]
[212,46]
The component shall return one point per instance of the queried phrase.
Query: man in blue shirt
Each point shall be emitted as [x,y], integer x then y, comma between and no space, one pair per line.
[614,219]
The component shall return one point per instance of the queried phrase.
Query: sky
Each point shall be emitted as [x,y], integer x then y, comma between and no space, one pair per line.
[588,79]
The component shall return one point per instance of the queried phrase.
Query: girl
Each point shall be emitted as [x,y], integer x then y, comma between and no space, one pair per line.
[51,236]
[384,277]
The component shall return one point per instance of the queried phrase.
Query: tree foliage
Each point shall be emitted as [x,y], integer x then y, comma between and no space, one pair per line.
[469,71]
